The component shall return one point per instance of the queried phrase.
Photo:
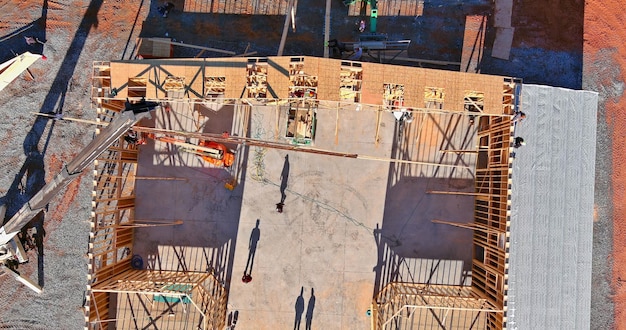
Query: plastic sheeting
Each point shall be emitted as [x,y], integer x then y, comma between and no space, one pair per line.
[549,285]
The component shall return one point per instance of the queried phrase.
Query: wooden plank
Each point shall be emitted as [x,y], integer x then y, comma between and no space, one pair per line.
[456,193]
[327,28]
[192,46]
[283,38]
[337,127]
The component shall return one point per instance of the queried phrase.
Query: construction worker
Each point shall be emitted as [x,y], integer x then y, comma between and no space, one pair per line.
[518,117]
[166,9]
[519,142]
[30,40]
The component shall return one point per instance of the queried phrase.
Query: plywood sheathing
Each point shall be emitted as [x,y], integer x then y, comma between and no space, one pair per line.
[502,43]
[313,69]
[375,75]
[235,72]
[373,80]
[242,7]
[503,12]
[278,77]
[390,8]
[329,77]
[473,42]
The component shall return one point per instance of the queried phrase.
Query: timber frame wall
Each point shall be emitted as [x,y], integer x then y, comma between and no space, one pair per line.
[492,99]
[268,79]
[492,209]
[113,203]
[428,306]
[395,306]
[111,237]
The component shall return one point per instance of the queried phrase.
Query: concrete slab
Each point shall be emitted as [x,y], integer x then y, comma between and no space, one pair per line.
[348,227]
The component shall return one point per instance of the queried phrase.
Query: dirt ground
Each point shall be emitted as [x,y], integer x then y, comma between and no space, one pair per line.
[605,72]
[568,43]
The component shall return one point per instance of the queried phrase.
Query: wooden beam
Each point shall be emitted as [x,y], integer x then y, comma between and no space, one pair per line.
[471,226]
[337,127]
[284,146]
[283,38]
[61,117]
[412,162]
[153,224]
[378,118]
[192,46]
[327,28]
[246,54]
[200,53]
[22,279]
[462,151]
[420,60]
[457,193]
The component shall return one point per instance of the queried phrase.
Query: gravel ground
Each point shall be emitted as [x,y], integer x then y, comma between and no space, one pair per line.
[34,149]
[605,72]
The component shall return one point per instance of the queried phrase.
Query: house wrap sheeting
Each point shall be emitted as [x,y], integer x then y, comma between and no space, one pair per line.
[552,202]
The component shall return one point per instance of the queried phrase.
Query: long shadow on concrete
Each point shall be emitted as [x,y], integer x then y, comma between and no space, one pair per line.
[410,247]
[184,187]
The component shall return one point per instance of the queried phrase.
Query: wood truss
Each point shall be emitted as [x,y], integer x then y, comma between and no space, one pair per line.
[484,303]
[165,300]
[424,306]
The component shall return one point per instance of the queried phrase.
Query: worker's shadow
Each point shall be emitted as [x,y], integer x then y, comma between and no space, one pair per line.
[309,310]
[284,177]
[255,235]
[299,307]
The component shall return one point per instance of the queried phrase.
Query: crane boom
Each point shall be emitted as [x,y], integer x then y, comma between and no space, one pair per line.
[109,134]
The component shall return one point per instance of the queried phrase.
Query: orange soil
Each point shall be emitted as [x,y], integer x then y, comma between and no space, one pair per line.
[604,34]
[54,165]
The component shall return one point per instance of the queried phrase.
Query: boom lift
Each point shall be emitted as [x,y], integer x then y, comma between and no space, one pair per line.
[11,249]
[211,152]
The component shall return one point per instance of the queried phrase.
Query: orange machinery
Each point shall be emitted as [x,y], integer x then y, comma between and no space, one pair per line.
[212,152]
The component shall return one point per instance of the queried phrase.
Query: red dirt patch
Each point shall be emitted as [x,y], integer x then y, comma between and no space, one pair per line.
[604,37]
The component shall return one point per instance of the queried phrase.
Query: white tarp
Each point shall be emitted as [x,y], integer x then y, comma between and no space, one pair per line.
[552,202]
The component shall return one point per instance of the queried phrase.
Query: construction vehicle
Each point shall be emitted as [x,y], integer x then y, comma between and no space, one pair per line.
[12,252]
[211,152]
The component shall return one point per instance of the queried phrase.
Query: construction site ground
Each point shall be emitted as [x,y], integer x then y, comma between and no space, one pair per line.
[588,53]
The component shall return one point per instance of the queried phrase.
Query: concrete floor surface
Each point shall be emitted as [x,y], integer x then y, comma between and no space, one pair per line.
[346,229]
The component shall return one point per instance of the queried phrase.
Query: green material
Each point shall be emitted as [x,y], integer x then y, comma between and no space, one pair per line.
[177,288]
[373,11]
[373,18]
